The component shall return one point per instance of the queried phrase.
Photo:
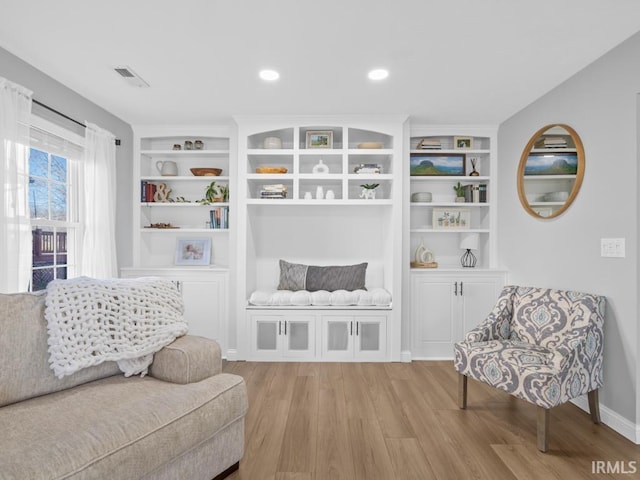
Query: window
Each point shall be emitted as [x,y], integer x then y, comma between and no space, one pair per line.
[53,203]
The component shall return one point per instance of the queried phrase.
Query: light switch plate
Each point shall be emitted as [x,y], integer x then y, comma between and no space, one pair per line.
[612,247]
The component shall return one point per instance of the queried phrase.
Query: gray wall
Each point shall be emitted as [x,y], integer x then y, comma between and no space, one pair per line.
[600,104]
[55,95]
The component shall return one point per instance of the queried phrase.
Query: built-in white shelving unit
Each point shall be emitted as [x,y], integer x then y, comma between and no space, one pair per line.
[205,288]
[324,219]
[447,301]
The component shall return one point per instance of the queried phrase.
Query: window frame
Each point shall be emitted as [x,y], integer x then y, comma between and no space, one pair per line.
[73,225]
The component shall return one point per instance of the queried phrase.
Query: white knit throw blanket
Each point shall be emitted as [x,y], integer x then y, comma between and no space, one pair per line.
[91,321]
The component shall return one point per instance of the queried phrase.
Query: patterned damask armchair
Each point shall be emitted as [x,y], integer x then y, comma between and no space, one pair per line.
[541,345]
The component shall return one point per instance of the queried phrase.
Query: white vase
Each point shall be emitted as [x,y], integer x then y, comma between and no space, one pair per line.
[319,193]
[330,195]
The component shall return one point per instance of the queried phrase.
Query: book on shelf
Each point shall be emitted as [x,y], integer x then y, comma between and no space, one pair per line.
[219,218]
[482,190]
[273,191]
[147,191]
[430,144]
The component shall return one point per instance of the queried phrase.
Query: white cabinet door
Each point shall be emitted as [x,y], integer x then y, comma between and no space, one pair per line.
[337,337]
[354,337]
[204,307]
[370,341]
[433,313]
[446,306]
[281,336]
[478,297]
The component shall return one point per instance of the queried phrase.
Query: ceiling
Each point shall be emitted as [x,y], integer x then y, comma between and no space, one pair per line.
[450,61]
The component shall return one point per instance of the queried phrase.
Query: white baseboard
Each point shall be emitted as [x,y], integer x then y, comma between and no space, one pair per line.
[623,426]
[405,356]
[232,355]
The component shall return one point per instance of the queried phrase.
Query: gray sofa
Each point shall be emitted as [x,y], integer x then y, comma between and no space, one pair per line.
[185,420]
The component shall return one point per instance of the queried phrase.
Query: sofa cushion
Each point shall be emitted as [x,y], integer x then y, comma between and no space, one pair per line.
[378,297]
[295,276]
[24,356]
[116,427]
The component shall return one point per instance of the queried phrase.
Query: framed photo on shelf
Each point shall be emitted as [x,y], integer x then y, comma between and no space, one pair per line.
[320,139]
[462,143]
[551,164]
[434,164]
[193,251]
[451,218]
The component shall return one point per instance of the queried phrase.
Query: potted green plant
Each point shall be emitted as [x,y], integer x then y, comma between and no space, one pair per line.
[459,192]
[216,193]
[369,191]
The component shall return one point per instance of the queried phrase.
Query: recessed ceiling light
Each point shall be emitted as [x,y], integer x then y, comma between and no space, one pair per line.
[378,74]
[269,75]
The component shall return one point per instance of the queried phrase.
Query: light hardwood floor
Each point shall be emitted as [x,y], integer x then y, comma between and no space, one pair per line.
[334,421]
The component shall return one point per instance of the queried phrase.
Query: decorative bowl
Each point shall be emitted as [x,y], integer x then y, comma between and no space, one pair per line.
[271,170]
[421,197]
[206,172]
[370,145]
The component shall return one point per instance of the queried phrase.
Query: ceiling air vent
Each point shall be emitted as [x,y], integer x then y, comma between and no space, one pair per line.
[131,77]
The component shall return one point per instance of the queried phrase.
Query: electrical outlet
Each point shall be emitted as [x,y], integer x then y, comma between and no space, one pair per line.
[612,247]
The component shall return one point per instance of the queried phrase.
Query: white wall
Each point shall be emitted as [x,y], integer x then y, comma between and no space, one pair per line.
[57,96]
[600,104]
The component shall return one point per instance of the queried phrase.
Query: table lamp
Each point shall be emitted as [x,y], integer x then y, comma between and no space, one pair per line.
[468,242]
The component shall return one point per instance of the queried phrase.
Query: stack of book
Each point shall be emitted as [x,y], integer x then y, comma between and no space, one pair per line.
[147,191]
[475,193]
[430,144]
[219,218]
[273,191]
[552,142]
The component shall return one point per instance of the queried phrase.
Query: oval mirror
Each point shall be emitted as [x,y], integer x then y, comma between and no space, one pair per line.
[550,171]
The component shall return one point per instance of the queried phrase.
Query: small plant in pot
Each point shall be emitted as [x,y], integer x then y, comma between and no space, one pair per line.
[459,192]
[369,191]
[215,193]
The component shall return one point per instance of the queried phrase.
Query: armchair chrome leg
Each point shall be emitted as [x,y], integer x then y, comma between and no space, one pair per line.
[594,406]
[543,429]
[462,391]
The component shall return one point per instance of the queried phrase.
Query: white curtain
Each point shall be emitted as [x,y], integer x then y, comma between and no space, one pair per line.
[98,211]
[15,228]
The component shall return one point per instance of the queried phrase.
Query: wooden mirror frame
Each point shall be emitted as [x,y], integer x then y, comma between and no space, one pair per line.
[579,174]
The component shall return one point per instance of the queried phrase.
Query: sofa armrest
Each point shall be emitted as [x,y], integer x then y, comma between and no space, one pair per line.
[188,359]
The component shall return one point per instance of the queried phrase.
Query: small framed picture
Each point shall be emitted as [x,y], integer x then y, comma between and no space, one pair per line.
[323,139]
[193,251]
[451,164]
[462,143]
[451,218]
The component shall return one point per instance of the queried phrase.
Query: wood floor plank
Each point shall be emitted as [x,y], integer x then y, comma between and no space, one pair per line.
[393,422]
[408,459]
[525,464]
[357,396]
[298,453]
[334,458]
[370,456]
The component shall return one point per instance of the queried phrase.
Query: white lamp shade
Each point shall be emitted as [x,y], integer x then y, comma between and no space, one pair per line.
[469,241]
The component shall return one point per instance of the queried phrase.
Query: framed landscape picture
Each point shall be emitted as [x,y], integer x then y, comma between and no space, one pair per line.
[552,164]
[193,251]
[451,218]
[450,164]
[320,139]
[463,143]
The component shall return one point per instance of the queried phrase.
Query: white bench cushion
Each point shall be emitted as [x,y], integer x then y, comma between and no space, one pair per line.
[378,297]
